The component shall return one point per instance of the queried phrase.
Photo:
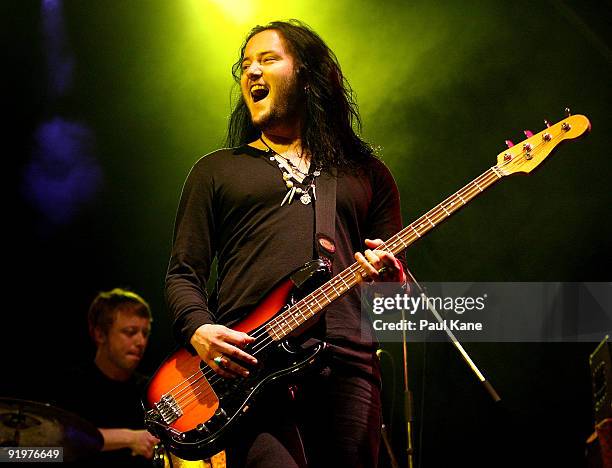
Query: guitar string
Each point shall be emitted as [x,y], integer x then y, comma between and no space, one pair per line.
[208,374]
[488,177]
[187,382]
[197,373]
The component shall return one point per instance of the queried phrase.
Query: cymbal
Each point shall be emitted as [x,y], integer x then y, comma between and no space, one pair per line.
[26,423]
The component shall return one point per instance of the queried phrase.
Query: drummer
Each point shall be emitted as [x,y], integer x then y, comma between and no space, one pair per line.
[107,391]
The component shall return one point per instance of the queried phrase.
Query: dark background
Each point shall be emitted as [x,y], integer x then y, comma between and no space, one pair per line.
[92,202]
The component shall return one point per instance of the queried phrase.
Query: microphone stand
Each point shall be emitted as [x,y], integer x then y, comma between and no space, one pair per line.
[466,357]
[408,400]
[408,408]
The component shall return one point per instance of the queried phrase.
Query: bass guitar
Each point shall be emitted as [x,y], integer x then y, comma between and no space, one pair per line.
[194,411]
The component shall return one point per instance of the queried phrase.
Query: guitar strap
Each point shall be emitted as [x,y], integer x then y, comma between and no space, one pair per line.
[325,216]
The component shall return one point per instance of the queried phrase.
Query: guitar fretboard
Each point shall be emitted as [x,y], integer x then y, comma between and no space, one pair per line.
[312,304]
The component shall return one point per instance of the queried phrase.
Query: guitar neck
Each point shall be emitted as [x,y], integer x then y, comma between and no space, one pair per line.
[312,304]
[440,212]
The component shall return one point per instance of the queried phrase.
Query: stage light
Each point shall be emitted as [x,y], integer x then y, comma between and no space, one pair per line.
[241,11]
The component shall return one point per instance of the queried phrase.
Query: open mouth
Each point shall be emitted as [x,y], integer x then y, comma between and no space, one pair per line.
[259,92]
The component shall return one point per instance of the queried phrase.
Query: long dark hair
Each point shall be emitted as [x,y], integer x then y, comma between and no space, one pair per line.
[330,109]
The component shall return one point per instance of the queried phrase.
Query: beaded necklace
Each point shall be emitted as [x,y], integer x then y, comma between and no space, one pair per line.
[291,171]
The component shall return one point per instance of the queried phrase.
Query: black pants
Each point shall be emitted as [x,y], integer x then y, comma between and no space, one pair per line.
[334,420]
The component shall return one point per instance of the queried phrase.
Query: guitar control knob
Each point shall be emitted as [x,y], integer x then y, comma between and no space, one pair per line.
[509,144]
[546,123]
[203,429]
[528,133]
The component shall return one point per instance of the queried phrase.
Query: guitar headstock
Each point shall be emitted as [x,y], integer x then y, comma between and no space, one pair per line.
[528,154]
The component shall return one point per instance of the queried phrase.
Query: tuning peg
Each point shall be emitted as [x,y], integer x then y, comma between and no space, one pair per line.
[509,144]
[546,123]
[568,112]
[528,133]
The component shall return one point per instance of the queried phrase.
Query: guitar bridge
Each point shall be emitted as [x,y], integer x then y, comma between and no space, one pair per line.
[168,409]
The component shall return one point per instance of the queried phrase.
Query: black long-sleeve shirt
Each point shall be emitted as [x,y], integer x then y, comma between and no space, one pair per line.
[230,209]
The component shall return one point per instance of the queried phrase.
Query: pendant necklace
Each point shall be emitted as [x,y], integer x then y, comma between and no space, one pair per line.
[291,171]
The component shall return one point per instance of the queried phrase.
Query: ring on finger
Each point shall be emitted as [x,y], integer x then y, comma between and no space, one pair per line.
[218,360]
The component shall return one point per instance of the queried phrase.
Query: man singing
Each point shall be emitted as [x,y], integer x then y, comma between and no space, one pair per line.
[252,207]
